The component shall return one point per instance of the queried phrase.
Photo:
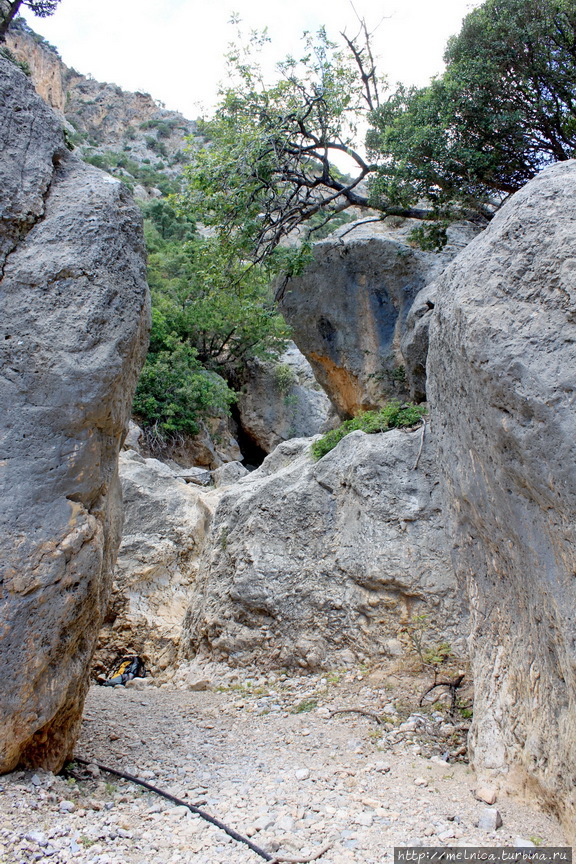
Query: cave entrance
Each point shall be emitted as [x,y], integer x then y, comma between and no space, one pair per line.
[253,454]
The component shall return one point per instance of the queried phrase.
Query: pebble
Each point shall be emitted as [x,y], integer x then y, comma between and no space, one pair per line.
[490,819]
[67,806]
[487,794]
[37,837]
[340,784]
[365,819]
[520,842]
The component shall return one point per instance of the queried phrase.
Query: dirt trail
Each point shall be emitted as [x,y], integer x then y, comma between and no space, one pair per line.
[263,755]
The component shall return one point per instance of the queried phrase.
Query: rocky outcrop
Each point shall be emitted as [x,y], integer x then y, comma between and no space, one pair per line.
[320,564]
[348,309]
[129,134]
[165,524]
[502,384]
[414,342]
[43,61]
[282,400]
[75,320]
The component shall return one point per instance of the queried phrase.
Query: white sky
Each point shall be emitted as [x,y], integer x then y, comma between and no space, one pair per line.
[173,49]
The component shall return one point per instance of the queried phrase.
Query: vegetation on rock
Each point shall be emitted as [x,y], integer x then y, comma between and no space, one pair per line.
[393,415]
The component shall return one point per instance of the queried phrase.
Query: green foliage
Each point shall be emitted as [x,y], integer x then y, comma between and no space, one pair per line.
[175,390]
[284,377]
[438,654]
[432,237]
[163,128]
[394,415]
[504,108]
[22,64]
[215,302]
[267,165]
[211,312]
[120,165]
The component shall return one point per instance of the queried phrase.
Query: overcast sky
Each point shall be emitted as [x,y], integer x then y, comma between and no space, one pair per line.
[173,49]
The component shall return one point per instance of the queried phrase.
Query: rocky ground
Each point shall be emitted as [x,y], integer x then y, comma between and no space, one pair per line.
[265,755]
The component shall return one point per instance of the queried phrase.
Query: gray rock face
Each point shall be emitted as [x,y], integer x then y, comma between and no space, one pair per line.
[348,310]
[283,400]
[229,474]
[75,323]
[165,525]
[502,379]
[30,150]
[314,563]
[414,343]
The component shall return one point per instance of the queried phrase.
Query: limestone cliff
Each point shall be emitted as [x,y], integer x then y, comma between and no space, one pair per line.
[502,384]
[75,315]
[348,309]
[130,135]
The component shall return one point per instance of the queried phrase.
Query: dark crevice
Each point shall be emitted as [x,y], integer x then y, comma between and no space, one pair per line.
[253,454]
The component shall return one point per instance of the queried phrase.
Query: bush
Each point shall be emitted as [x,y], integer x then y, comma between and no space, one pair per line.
[175,392]
[394,415]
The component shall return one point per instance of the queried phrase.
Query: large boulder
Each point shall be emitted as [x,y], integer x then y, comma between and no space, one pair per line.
[348,309]
[314,564]
[502,384]
[75,318]
[282,400]
[165,524]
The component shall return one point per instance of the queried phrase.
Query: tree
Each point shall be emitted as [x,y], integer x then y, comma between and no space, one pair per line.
[9,9]
[209,297]
[268,166]
[504,109]
[211,311]
[175,392]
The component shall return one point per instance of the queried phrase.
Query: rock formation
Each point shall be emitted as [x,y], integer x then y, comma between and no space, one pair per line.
[318,563]
[502,384]
[75,319]
[348,309]
[129,134]
[165,523]
[282,400]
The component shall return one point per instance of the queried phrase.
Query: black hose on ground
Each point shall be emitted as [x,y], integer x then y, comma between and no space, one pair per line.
[203,815]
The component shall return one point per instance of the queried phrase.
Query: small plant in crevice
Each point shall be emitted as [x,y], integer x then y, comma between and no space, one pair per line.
[284,377]
[429,655]
[394,415]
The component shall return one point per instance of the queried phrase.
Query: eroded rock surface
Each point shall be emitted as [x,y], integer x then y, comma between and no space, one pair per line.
[312,564]
[502,383]
[165,525]
[75,324]
[348,309]
[283,400]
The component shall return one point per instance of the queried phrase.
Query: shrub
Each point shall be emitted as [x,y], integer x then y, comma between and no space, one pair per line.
[394,415]
[175,392]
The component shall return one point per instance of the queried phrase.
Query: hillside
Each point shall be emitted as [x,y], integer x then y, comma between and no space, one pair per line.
[131,135]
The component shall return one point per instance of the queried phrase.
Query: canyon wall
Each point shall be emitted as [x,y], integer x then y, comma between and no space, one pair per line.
[502,385]
[75,318]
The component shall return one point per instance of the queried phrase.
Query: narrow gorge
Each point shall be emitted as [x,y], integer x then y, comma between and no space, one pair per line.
[267,586]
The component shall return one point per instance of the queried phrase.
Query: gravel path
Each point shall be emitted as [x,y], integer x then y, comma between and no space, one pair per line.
[264,755]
